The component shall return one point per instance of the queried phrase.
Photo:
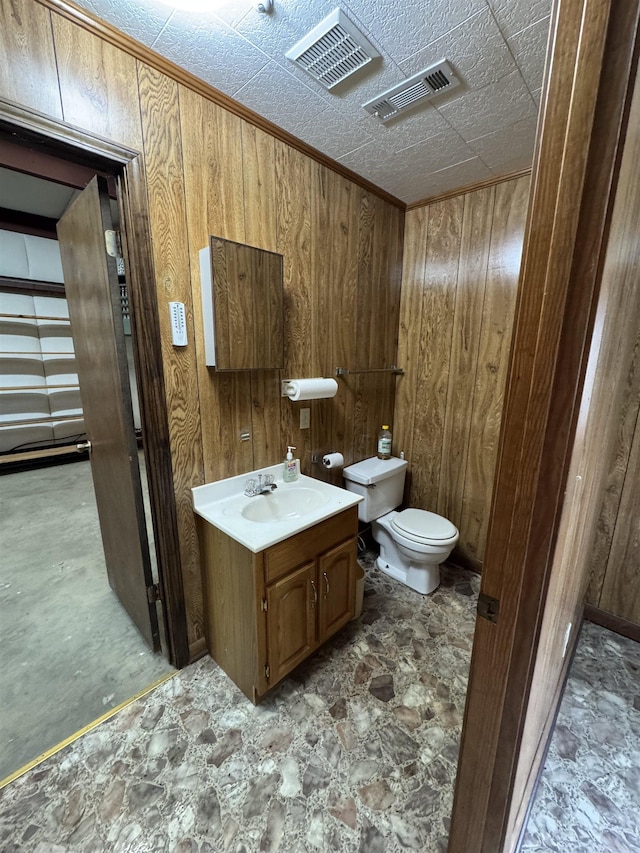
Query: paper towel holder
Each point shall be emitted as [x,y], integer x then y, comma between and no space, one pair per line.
[285,388]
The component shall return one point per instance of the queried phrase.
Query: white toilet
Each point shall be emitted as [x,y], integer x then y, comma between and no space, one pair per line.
[412,542]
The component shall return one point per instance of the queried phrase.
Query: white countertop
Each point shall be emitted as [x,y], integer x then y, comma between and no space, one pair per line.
[221,503]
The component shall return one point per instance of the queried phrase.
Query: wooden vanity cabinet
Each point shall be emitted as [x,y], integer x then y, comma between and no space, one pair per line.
[267,612]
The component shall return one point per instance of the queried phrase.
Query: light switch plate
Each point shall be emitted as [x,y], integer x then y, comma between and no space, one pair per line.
[305,418]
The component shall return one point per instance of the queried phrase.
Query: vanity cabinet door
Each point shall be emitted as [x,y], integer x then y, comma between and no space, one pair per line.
[337,588]
[291,620]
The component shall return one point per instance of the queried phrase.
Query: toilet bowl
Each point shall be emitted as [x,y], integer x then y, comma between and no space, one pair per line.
[412,542]
[412,556]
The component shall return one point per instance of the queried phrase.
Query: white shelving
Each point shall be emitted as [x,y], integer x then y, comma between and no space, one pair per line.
[39,391]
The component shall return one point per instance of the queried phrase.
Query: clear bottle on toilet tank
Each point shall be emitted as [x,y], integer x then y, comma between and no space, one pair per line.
[384,443]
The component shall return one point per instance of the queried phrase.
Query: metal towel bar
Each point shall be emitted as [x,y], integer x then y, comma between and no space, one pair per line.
[344,371]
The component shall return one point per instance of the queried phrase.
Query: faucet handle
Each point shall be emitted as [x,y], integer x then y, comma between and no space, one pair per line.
[268,479]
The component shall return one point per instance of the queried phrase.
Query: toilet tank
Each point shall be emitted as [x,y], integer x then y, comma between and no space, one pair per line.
[380,482]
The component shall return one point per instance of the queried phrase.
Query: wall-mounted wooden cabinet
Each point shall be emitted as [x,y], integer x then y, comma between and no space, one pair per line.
[242,306]
[267,612]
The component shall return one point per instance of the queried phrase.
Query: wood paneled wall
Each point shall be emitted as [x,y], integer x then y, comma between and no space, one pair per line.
[211,172]
[459,282]
[614,583]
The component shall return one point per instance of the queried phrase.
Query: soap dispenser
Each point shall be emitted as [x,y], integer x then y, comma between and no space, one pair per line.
[291,467]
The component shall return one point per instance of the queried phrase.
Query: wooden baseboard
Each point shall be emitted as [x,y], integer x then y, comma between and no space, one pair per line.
[463,561]
[197,650]
[614,623]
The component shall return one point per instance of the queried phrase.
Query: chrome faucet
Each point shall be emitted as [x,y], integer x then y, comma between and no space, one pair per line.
[263,486]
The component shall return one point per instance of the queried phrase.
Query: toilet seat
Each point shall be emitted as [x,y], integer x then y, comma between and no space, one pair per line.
[423,526]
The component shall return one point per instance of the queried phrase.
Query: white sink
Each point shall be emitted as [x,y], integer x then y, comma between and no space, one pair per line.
[263,520]
[283,504]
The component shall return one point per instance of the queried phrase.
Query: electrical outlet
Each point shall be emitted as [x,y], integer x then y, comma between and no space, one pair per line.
[305,418]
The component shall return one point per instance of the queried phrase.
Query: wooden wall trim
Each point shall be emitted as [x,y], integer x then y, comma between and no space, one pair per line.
[614,623]
[89,148]
[121,40]
[471,188]
[585,98]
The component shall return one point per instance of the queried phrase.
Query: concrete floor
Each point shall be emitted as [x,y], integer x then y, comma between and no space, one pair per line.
[69,650]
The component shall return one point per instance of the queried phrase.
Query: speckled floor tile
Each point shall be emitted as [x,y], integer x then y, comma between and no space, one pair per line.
[588,798]
[356,751]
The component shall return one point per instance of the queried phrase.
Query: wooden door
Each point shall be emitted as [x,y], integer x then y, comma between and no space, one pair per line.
[582,126]
[93,295]
[337,588]
[291,620]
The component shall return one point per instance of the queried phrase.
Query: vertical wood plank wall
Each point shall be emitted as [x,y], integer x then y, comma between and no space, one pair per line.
[459,281]
[614,582]
[211,172]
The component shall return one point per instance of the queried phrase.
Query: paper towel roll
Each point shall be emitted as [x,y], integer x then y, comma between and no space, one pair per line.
[333,460]
[311,389]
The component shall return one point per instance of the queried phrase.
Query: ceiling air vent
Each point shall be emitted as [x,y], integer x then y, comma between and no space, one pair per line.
[422,86]
[333,50]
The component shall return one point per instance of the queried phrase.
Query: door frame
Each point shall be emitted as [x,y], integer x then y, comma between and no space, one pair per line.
[588,84]
[56,137]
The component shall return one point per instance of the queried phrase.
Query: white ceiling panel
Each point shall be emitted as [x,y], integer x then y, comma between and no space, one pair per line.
[486,127]
[403,28]
[475,49]
[529,48]
[143,20]
[192,40]
[495,107]
[490,148]
[513,15]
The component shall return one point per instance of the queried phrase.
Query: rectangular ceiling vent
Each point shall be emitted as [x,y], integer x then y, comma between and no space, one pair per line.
[422,86]
[333,50]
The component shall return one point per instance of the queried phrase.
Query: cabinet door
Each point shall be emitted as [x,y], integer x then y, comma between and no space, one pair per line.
[291,618]
[337,586]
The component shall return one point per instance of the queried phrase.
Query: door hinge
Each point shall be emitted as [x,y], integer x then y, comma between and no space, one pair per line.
[153,593]
[488,607]
[113,243]
[264,604]
[267,671]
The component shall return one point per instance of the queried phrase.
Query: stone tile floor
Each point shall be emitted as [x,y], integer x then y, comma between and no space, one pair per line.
[356,751]
[588,798]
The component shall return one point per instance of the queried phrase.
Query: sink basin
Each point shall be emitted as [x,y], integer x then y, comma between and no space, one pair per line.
[264,520]
[279,506]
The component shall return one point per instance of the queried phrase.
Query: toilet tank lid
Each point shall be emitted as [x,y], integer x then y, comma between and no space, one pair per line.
[421,522]
[373,470]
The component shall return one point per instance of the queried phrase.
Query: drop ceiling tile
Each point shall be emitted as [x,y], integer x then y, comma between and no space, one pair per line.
[232,12]
[211,50]
[378,163]
[529,48]
[333,134]
[507,150]
[497,106]
[460,175]
[515,16]
[475,49]
[142,20]
[416,125]
[403,27]
[281,98]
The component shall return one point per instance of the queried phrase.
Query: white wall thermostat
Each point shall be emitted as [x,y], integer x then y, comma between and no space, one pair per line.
[178,324]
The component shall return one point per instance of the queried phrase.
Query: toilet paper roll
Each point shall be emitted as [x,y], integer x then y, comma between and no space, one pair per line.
[311,389]
[333,460]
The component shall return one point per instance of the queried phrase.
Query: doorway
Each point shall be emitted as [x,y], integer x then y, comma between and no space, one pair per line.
[72,653]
